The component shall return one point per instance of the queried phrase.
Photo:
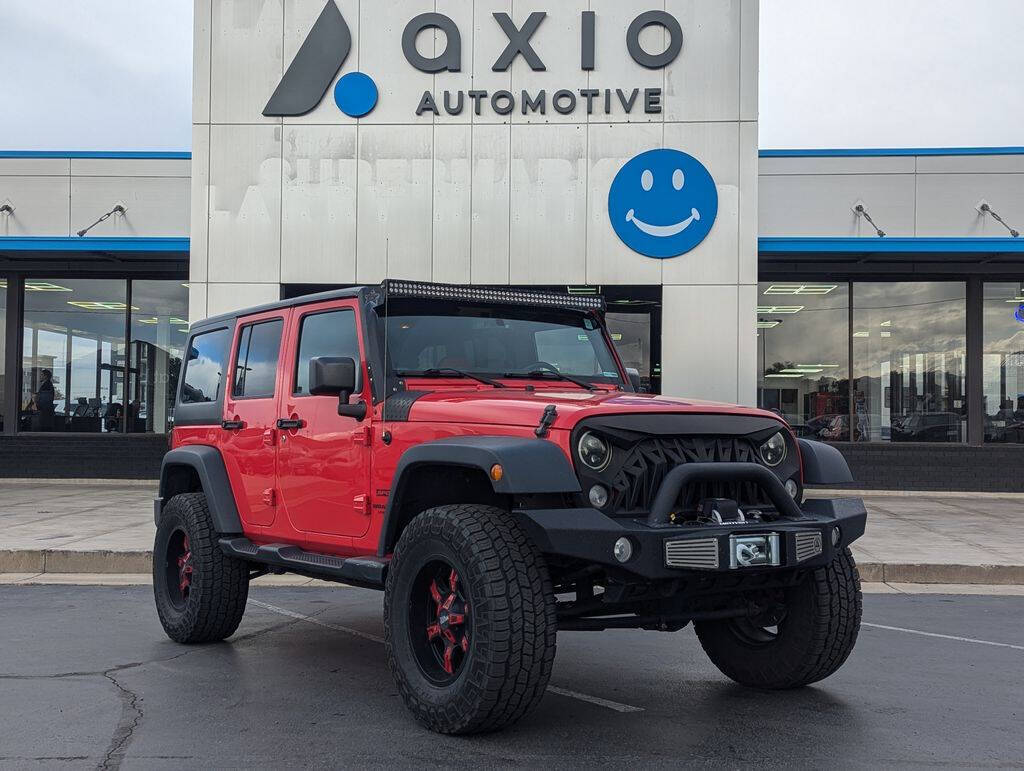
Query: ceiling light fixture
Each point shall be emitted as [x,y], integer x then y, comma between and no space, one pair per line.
[99,305]
[779,308]
[800,288]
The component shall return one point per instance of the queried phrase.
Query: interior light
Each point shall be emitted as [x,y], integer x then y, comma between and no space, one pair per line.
[801,370]
[800,288]
[820,366]
[886,324]
[779,308]
[779,374]
[39,286]
[99,305]
[861,334]
[768,324]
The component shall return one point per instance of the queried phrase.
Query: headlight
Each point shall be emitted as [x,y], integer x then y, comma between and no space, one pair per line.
[773,452]
[594,451]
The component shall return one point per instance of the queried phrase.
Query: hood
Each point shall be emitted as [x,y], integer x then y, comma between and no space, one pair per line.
[519,407]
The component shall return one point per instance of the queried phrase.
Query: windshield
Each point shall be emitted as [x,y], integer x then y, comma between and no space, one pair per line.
[496,340]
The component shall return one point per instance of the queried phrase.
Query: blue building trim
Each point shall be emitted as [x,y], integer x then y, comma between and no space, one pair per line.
[182,155]
[889,245]
[888,152]
[96,244]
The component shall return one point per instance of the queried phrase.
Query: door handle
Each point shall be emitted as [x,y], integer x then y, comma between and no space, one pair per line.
[291,423]
[232,425]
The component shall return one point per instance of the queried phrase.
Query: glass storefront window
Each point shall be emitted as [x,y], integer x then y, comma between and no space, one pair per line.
[3,348]
[909,341]
[1003,362]
[73,355]
[159,330]
[803,355]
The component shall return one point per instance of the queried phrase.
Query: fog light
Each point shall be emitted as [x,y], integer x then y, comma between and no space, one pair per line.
[623,550]
[598,497]
[835,536]
[792,488]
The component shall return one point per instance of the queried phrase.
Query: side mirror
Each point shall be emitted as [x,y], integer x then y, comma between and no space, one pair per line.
[336,376]
[634,378]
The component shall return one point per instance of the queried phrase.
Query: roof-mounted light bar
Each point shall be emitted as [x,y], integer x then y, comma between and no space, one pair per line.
[497,295]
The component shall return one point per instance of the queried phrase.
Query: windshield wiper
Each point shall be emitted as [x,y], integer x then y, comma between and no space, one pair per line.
[439,371]
[539,373]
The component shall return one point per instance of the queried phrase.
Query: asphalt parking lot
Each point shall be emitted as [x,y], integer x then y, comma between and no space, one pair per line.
[89,680]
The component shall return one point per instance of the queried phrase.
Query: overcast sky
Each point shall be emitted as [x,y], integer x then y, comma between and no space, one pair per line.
[117,74]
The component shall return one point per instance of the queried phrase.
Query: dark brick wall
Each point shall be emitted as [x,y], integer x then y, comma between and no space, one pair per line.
[82,456]
[995,468]
[907,466]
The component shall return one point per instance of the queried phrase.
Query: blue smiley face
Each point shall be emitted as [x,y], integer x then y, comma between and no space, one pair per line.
[662,203]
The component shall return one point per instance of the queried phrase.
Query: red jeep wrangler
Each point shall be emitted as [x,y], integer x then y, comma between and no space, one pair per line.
[483,457]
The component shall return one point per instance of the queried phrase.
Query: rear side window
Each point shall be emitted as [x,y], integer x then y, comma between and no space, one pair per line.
[325,334]
[256,360]
[204,367]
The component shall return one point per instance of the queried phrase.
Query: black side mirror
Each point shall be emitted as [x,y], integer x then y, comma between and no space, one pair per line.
[634,378]
[336,376]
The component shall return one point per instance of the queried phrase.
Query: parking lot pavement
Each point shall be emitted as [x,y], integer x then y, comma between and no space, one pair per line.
[90,680]
[107,527]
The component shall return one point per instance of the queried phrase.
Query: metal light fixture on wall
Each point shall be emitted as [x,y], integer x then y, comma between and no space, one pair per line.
[118,210]
[983,209]
[860,211]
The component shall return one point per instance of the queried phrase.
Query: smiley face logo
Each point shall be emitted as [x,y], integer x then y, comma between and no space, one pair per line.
[662,203]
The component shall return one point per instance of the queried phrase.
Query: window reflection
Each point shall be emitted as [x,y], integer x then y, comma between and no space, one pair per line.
[1003,362]
[159,330]
[73,355]
[803,355]
[909,341]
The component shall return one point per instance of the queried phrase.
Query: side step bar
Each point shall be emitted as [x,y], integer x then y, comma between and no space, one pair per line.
[368,572]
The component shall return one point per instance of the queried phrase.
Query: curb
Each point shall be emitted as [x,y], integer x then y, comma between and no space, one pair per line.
[121,562]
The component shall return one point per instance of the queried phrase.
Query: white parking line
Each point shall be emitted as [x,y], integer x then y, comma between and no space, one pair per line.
[617,706]
[944,636]
[606,703]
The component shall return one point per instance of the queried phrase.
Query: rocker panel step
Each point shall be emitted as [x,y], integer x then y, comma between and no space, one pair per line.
[368,572]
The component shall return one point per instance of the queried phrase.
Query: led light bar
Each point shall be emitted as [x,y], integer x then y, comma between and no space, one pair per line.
[499,295]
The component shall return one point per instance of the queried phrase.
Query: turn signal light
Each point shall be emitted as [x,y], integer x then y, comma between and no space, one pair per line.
[497,472]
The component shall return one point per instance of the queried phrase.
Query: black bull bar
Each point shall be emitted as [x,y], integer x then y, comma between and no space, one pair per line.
[687,473]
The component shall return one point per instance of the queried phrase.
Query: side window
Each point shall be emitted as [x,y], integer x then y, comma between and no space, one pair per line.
[204,367]
[256,362]
[332,333]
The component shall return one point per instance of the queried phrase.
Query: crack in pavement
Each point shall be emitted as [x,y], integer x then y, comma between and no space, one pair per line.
[131,712]
[131,716]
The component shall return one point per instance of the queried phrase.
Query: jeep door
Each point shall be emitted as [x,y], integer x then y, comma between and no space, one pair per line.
[248,440]
[323,464]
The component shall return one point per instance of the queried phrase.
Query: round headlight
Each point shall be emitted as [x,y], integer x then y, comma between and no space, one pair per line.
[773,452]
[594,451]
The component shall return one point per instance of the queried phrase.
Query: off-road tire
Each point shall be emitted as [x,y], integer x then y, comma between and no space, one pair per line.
[814,639]
[512,624]
[219,585]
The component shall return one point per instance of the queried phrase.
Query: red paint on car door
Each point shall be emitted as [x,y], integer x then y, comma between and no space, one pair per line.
[248,437]
[324,465]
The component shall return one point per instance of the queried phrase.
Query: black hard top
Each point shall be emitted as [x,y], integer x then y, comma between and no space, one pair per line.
[376,294]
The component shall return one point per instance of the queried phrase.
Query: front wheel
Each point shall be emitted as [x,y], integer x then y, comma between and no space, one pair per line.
[469,619]
[820,618]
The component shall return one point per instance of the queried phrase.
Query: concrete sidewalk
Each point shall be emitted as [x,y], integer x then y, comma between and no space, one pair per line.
[90,526]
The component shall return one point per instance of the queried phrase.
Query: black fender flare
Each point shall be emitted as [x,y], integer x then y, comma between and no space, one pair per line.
[208,464]
[529,466]
[823,464]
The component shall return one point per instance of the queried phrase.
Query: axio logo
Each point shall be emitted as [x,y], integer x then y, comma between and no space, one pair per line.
[314,67]
[662,203]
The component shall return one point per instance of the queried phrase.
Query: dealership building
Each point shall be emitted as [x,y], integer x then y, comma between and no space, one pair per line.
[875,298]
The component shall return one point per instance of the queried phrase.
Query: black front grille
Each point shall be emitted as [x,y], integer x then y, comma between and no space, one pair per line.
[638,478]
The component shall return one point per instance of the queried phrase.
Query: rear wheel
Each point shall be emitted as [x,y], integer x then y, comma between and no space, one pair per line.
[469,619]
[200,591]
[813,636]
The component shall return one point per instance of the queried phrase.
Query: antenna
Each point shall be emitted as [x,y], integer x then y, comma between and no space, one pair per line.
[387,297]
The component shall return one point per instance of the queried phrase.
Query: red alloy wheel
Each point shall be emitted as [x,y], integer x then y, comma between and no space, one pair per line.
[179,568]
[440,622]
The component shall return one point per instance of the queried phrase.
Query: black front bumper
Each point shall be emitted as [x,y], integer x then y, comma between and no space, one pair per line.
[589,535]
